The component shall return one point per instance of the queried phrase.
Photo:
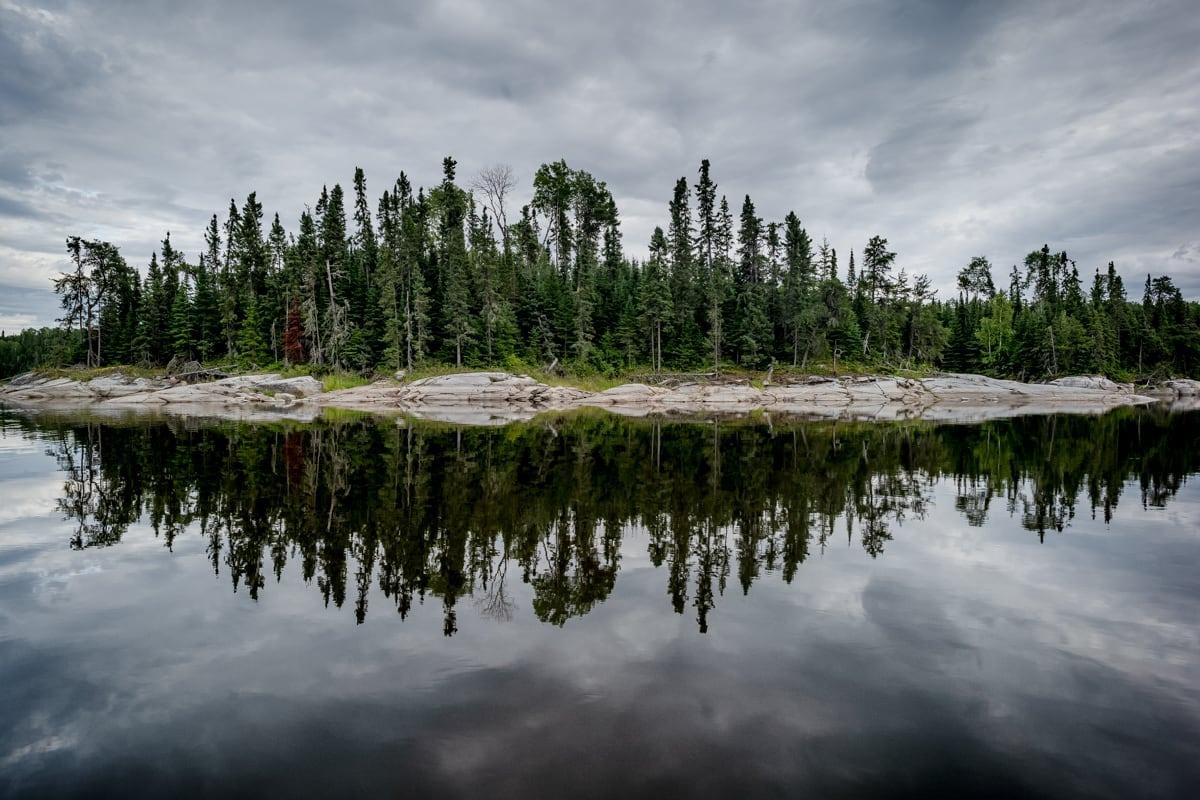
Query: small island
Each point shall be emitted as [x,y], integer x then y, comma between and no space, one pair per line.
[725,311]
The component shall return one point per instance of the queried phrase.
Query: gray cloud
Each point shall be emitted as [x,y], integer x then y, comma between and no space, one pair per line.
[42,64]
[919,152]
[15,207]
[952,128]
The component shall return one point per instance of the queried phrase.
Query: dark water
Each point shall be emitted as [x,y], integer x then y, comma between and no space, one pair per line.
[590,607]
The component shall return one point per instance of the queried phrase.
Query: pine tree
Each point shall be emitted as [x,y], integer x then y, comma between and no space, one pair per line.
[230,288]
[362,288]
[310,275]
[336,324]
[801,312]
[1015,289]
[180,332]
[752,326]
[417,297]
[964,350]
[212,314]
[686,342]
[713,233]
[206,312]
[707,218]
[154,316]
[251,347]
[251,250]
[839,334]
[457,324]
[877,263]
[591,202]
[364,237]
[655,299]
[118,321]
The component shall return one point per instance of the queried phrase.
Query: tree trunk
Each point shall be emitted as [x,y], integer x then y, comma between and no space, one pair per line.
[1053,352]
[88,333]
[660,358]
[333,333]
[408,331]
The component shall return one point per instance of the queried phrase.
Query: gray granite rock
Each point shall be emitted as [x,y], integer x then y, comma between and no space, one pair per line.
[1183,387]
[493,397]
[1092,382]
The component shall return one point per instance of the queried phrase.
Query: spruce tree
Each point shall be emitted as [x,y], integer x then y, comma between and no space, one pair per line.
[180,332]
[206,312]
[685,337]
[752,326]
[333,286]
[713,271]
[707,219]
[252,349]
[801,313]
[458,330]
[655,297]
[150,344]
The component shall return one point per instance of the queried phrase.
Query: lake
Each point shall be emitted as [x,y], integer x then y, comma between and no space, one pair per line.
[590,606]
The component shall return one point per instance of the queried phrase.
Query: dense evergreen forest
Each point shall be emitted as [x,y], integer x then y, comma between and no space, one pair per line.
[458,276]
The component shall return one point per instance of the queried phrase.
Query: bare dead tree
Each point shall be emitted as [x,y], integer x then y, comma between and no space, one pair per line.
[338,333]
[495,602]
[496,183]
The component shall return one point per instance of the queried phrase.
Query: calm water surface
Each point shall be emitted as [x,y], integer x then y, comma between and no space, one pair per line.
[591,607]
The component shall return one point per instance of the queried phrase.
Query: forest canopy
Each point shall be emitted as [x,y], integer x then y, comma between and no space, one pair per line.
[457,275]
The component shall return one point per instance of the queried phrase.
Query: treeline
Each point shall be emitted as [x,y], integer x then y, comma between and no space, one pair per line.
[35,347]
[457,276]
[426,511]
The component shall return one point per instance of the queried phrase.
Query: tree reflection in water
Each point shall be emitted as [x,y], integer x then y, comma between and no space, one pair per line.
[424,510]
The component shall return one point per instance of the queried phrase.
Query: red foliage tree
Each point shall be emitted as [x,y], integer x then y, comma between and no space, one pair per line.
[293,335]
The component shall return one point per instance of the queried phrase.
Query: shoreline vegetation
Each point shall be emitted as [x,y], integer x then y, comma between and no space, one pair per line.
[460,275]
[587,381]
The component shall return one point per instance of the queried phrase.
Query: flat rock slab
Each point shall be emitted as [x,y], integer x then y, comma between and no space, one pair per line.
[949,396]
[497,397]
[302,386]
[267,390]
[28,387]
[1093,382]
[484,389]
[628,394]
[1183,387]
[459,379]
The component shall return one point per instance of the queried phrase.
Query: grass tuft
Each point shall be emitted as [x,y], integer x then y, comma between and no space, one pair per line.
[335,381]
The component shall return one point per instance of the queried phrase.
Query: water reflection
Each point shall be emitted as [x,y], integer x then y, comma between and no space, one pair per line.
[427,511]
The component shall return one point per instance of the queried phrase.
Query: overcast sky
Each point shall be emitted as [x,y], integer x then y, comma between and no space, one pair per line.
[952,128]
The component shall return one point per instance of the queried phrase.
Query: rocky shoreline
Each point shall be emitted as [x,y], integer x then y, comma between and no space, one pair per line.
[498,397]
